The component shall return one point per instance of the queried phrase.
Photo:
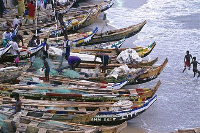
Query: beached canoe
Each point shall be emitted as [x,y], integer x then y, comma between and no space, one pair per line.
[78,94]
[109,113]
[38,125]
[113,64]
[105,5]
[24,53]
[61,80]
[142,75]
[75,39]
[142,51]
[118,34]
[72,118]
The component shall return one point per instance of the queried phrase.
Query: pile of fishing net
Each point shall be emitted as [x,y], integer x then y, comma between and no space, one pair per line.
[70,74]
[38,64]
[128,56]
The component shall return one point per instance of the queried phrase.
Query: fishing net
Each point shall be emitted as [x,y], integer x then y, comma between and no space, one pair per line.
[70,74]
[5,129]
[37,63]
[53,72]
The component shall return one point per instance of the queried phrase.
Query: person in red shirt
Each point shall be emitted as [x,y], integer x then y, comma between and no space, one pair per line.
[31,11]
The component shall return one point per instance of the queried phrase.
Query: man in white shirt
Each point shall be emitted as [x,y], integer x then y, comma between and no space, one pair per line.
[16,21]
[7,34]
[6,37]
[66,49]
[14,49]
[49,10]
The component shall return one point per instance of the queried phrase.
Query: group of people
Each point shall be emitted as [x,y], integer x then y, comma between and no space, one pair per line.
[187,61]
[10,37]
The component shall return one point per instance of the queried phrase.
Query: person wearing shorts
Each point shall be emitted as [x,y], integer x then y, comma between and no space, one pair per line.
[187,60]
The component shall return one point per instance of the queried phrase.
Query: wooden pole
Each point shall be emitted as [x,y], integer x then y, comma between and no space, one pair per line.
[36,19]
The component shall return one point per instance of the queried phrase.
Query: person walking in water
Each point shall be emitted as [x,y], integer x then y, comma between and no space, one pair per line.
[187,60]
[195,70]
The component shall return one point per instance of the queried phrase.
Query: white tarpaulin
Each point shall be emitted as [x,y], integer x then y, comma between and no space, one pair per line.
[128,56]
[121,70]
[85,57]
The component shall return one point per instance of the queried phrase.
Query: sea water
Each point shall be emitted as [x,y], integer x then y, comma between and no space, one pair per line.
[175,26]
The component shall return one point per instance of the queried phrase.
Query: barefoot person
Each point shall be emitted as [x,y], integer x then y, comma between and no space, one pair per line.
[195,70]
[104,60]
[47,68]
[73,61]
[17,112]
[187,60]
[66,50]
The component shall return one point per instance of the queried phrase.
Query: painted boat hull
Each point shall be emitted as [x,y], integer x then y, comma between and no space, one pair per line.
[119,34]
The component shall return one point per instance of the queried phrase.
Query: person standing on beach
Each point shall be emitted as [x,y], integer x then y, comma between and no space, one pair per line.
[49,10]
[31,11]
[47,68]
[195,70]
[16,22]
[17,113]
[187,60]
[45,48]
[21,7]
[32,43]
[6,37]
[104,60]
[66,49]
[15,50]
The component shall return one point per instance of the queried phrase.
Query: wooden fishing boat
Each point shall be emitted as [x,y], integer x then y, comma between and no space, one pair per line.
[10,74]
[95,12]
[56,52]
[61,80]
[93,65]
[76,23]
[142,75]
[89,95]
[109,113]
[24,53]
[105,5]
[72,118]
[115,35]
[142,51]
[39,125]
[76,39]
[72,23]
